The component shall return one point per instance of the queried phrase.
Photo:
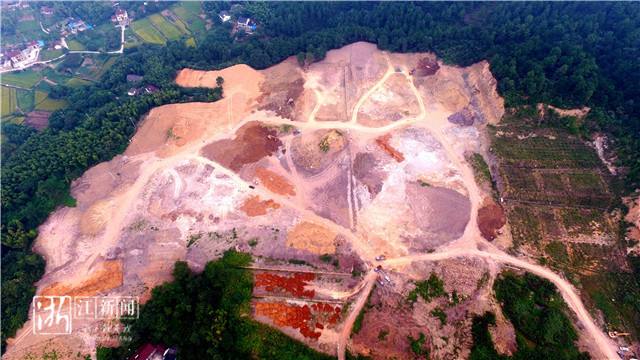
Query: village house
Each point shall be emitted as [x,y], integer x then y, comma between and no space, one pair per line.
[76,26]
[46,11]
[246,24]
[224,16]
[26,56]
[121,17]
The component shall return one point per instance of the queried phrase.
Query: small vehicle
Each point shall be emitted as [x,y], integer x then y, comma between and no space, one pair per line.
[251,187]
[381,258]
[378,268]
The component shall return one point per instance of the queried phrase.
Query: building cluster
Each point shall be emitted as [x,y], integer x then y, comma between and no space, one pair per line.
[15,58]
[242,23]
[121,17]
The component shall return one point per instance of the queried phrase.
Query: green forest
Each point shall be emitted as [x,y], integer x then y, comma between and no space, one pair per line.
[208,316]
[537,312]
[564,54]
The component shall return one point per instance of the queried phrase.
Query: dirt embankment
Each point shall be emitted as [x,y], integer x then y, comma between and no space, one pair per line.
[108,276]
[252,142]
[383,142]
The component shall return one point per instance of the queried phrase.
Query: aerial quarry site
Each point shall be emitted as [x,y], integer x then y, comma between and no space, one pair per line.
[347,180]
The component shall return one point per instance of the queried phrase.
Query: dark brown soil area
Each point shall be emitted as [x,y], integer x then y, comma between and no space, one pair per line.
[282,98]
[442,214]
[465,117]
[383,142]
[491,218]
[252,143]
[427,66]
[331,202]
[365,171]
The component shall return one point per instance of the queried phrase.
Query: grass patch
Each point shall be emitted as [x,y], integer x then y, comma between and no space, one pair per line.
[441,315]
[558,252]
[145,31]
[24,79]
[77,82]
[50,54]
[75,45]
[26,100]
[480,168]
[428,289]
[189,13]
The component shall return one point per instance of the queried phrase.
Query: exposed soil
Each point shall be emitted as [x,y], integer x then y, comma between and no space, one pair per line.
[442,214]
[107,277]
[312,237]
[310,320]
[274,182]
[491,218]
[253,206]
[252,142]
[202,178]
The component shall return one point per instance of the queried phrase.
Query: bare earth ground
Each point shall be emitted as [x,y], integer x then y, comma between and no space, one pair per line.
[315,172]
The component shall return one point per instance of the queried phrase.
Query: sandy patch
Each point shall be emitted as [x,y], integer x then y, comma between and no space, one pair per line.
[312,237]
[95,218]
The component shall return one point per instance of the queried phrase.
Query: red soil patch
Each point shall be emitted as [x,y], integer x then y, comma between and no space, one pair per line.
[304,318]
[274,182]
[383,142]
[490,218]
[252,143]
[253,206]
[293,285]
[37,119]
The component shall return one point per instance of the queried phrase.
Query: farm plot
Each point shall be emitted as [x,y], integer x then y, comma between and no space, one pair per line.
[26,100]
[9,100]
[24,79]
[189,12]
[45,103]
[170,31]
[144,29]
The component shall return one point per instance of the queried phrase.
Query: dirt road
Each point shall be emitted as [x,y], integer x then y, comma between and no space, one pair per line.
[369,281]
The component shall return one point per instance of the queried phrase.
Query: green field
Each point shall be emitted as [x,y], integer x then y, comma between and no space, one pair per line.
[25,100]
[170,31]
[44,103]
[24,79]
[145,30]
[77,82]
[9,100]
[189,13]
[75,45]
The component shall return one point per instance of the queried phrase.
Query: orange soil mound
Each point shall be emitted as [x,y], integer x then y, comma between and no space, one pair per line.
[108,277]
[304,318]
[253,206]
[252,143]
[383,142]
[236,78]
[490,219]
[293,285]
[312,237]
[177,124]
[274,182]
